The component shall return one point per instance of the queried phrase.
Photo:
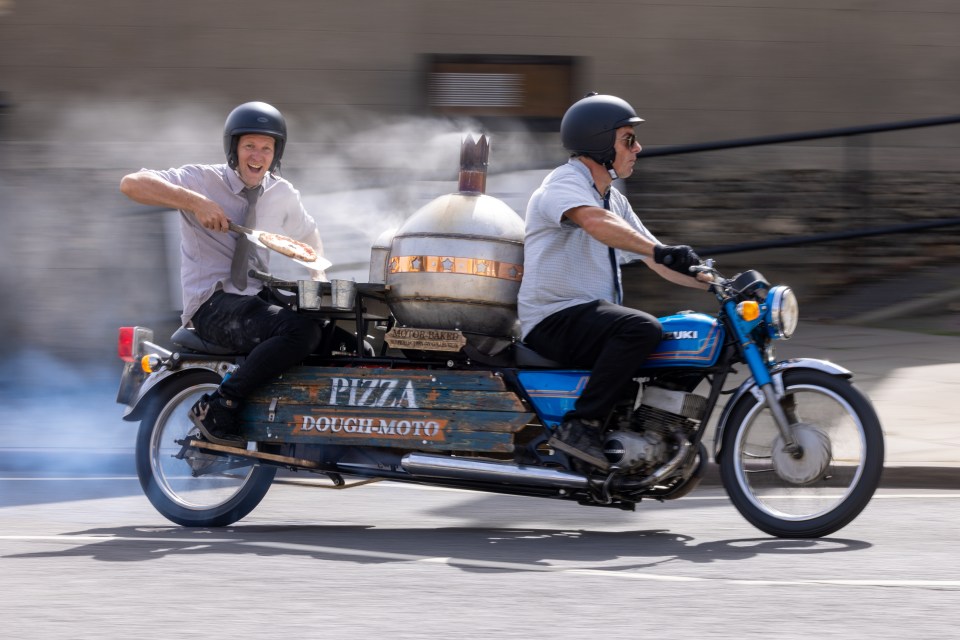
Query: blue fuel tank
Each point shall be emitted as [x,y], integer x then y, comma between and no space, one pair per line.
[689,340]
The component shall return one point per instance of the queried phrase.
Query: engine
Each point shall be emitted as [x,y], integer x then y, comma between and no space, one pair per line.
[655,429]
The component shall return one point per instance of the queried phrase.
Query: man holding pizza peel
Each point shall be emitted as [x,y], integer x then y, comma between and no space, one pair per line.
[220,302]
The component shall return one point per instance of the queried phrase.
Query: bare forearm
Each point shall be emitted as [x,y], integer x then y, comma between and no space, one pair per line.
[679,278]
[611,230]
[146,188]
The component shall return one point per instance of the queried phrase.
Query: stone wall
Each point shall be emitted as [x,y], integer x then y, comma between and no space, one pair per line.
[695,70]
[731,210]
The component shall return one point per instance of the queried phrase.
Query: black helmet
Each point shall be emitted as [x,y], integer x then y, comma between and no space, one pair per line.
[589,126]
[254,117]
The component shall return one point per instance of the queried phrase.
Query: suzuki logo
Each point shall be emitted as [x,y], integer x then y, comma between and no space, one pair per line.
[681,335]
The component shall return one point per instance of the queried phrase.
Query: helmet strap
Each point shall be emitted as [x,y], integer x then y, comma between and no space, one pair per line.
[608,165]
[233,159]
[606,162]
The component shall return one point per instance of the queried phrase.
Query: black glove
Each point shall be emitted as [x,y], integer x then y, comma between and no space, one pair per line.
[679,258]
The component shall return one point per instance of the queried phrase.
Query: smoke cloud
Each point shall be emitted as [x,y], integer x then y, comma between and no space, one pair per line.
[87,260]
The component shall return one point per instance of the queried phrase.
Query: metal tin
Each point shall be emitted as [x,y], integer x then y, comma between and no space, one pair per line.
[343,294]
[309,295]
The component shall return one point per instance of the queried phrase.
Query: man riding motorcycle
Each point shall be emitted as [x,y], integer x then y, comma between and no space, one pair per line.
[800,449]
[221,304]
[579,229]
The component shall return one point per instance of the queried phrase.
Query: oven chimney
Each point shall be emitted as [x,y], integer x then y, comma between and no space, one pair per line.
[474,153]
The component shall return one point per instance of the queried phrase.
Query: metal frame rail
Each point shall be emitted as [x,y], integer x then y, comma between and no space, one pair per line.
[842,132]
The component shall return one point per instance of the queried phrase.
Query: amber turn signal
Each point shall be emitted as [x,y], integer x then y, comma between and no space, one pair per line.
[149,363]
[749,310]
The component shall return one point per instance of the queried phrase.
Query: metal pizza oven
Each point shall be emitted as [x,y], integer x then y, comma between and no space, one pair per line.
[457,262]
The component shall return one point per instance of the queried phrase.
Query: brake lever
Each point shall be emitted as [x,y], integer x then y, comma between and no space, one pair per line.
[718,284]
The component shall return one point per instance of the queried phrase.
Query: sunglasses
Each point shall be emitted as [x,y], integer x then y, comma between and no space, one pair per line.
[630,139]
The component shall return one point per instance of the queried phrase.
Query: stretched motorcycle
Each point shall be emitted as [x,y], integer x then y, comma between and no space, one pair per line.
[799,447]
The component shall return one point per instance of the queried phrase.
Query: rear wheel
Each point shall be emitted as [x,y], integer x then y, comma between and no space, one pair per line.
[200,489]
[829,484]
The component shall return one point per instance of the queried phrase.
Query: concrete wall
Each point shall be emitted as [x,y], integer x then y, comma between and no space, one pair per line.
[696,71]
[97,88]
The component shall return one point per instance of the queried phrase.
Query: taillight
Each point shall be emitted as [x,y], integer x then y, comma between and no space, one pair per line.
[125,343]
[130,342]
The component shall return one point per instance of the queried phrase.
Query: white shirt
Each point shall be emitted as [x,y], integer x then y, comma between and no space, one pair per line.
[206,256]
[563,266]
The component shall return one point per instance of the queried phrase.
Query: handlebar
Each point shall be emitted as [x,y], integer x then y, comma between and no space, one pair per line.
[720,284]
[707,266]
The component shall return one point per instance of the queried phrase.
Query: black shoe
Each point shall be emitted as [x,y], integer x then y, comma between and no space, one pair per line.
[582,441]
[216,421]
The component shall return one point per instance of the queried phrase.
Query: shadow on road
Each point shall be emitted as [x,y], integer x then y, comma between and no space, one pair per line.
[470,549]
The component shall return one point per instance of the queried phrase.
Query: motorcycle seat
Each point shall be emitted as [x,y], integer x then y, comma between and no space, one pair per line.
[529,359]
[516,355]
[188,339]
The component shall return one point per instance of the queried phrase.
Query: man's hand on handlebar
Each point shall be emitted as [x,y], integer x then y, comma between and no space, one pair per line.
[676,258]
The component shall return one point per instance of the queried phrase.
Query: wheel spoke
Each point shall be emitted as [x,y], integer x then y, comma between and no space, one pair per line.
[823,489]
[827,418]
[186,481]
[188,486]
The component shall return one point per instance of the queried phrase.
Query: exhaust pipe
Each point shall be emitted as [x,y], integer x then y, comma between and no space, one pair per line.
[433,466]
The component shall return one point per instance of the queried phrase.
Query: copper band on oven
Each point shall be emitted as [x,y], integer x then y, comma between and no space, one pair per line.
[452,264]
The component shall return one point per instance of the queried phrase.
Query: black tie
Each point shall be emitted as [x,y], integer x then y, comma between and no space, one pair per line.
[613,257]
[241,255]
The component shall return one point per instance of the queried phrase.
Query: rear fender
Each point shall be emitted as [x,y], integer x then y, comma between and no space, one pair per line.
[158,380]
[750,386]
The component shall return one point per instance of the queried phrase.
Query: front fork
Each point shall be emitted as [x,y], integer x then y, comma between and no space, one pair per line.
[782,419]
[761,374]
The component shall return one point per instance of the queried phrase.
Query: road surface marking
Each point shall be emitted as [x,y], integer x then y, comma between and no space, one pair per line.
[367,554]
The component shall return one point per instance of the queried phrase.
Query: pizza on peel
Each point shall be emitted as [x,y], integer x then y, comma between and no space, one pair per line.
[288,247]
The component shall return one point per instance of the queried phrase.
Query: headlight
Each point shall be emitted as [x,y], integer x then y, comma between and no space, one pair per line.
[784,312]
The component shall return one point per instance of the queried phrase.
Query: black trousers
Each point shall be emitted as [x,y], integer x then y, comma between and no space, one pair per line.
[274,336]
[610,340]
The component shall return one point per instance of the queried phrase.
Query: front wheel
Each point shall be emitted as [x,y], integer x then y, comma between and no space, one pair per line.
[831,480]
[198,489]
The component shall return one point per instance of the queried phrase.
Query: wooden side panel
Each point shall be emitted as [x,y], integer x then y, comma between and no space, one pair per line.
[409,409]
[437,379]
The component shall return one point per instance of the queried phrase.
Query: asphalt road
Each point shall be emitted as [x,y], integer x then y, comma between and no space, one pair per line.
[84,555]
[88,557]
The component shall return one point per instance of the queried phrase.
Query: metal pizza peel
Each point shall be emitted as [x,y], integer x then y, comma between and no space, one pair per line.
[320,264]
